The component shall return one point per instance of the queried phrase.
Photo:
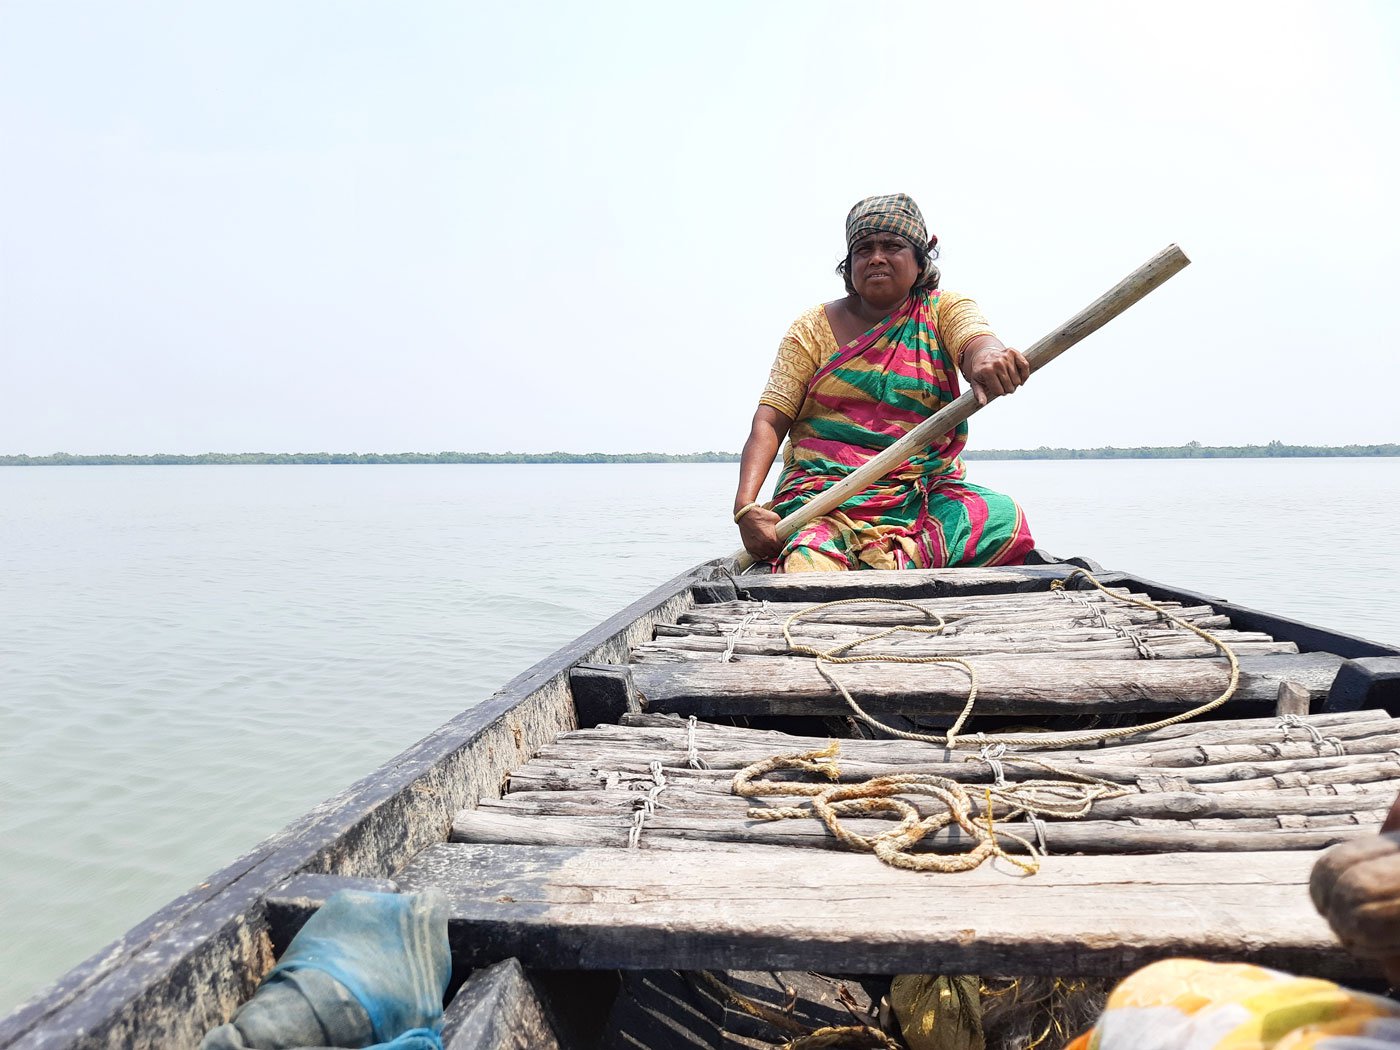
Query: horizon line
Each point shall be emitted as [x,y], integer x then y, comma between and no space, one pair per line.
[1190,450]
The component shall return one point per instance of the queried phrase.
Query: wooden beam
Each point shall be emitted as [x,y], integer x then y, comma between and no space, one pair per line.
[602,693]
[1293,699]
[1023,686]
[703,834]
[297,899]
[498,1009]
[810,587]
[764,908]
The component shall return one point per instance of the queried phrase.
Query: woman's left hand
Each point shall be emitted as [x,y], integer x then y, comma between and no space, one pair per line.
[994,370]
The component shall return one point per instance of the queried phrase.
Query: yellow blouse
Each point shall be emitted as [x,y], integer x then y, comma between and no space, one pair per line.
[810,341]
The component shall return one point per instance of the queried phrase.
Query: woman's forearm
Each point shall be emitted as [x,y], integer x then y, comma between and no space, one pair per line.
[765,435]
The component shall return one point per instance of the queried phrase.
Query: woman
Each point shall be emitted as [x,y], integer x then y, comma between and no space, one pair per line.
[851,378]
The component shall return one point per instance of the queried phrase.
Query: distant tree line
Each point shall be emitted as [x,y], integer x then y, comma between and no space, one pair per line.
[290,458]
[1190,450]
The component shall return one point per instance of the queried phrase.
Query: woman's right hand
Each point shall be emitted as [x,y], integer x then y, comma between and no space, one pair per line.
[757,530]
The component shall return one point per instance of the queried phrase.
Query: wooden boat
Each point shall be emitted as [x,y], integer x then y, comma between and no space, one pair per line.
[582,915]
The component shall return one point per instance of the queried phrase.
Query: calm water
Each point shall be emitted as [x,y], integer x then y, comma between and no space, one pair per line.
[193,656]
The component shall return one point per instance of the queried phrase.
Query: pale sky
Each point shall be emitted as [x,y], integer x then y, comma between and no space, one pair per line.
[416,227]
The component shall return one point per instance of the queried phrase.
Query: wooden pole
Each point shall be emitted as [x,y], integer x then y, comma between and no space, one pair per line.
[1147,277]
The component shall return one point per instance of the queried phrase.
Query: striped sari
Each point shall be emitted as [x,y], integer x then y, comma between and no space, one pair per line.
[867,396]
[1187,1004]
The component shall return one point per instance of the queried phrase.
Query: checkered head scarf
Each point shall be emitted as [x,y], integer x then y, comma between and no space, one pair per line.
[890,213]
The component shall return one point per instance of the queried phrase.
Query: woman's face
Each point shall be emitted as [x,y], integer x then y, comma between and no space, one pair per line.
[883,269]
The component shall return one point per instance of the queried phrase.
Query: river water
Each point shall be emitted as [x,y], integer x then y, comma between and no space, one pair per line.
[191,657]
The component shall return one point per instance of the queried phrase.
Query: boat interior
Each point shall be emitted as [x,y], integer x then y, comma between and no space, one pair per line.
[733,814]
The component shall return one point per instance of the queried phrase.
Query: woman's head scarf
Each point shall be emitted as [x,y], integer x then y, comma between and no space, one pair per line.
[891,213]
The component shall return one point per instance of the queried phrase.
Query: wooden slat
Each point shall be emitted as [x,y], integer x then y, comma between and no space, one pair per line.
[1232,776]
[733,748]
[577,908]
[714,800]
[812,587]
[960,604]
[1021,686]
[676,728]
[1179,646]
[668,735]
[498,1009]
[667,830]
[1051,614]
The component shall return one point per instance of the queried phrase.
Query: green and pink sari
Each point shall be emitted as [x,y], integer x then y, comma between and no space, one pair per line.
[872,392]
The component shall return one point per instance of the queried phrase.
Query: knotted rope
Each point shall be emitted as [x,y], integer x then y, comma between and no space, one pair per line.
[841,654]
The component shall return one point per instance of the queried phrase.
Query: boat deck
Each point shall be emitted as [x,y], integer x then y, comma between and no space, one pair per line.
[623,844]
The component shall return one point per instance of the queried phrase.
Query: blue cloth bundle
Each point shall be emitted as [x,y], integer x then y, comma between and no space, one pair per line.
[367,970]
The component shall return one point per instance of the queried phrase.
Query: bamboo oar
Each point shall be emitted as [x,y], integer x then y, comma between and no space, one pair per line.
[1147,277]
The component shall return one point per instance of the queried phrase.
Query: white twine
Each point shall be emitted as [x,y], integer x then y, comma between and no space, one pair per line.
[645,807]
[1287,722]
[733,636]
[692,753]
[1129,632]
[1040,830]
[991,754]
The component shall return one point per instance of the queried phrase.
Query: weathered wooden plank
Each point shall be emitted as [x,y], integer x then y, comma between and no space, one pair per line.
[811,587]
[1309,637]
[1357,772]
[602,693]
[498,1009]
[1293,699]
[670,735]
[1267,741]
[1180,647]
[1055,631]
[714,802]
[1023,686]
[781,608]
[296,900]
[539,776]
[1049,616]
[579,908]
[1371,681]
[665,724]
[670,830]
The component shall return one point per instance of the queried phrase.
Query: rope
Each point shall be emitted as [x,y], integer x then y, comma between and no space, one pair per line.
[646,806]
[692,753]
[733,636]
[839,655]
[1287,722]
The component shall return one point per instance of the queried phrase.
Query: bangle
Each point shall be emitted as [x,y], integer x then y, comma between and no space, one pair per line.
[739,514]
